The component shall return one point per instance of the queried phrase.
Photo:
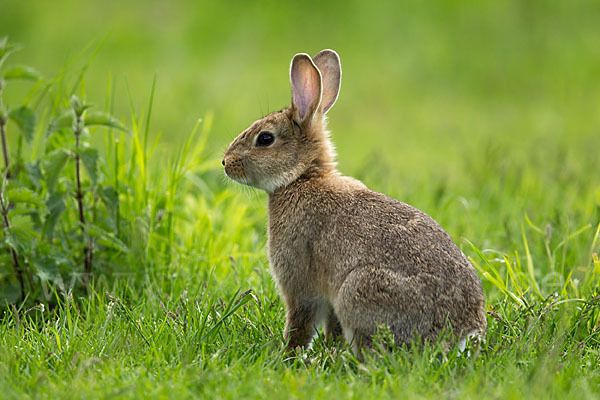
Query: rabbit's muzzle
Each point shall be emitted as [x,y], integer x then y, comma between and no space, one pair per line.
[234,168]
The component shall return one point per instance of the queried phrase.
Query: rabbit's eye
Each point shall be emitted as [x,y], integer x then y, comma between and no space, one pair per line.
[265,139]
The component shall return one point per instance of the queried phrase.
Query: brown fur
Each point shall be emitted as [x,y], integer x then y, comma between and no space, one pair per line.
[341,254]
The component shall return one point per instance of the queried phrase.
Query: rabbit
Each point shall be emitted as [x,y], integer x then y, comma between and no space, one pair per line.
[344,256]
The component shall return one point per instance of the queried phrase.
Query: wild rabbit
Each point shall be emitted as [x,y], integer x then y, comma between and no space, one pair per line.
[343,255]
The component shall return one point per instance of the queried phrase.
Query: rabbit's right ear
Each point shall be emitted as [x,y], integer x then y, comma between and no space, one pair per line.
[305,79]
[329,65]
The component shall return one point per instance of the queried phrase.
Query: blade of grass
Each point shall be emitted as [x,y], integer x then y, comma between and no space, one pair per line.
[530,270]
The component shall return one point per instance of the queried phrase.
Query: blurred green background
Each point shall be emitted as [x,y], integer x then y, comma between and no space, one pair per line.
[475,111]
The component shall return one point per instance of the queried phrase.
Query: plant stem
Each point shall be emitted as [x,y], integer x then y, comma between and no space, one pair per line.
[15,259]
[4,146]
[3,131]
[87,248]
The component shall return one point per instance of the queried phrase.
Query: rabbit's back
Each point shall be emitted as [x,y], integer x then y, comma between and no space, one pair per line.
[353,225]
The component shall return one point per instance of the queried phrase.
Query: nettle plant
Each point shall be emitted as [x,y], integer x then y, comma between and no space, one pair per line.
[60,208]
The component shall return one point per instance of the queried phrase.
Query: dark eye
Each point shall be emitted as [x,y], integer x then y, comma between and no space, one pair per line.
[265,139]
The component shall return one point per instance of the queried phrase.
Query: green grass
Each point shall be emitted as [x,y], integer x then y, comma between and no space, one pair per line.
[483,114]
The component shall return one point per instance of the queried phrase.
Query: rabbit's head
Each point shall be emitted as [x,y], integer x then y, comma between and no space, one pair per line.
[279,148]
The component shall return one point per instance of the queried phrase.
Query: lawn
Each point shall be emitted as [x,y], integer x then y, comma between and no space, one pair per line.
[485,115]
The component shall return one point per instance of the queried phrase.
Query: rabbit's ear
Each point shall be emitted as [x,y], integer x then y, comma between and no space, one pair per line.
[305,79]
[329,65]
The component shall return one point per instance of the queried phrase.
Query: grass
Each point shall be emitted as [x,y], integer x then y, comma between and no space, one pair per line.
[483,114]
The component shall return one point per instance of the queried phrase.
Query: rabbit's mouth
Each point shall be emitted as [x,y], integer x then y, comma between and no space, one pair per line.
[268,185]
[235,171]
[236,175]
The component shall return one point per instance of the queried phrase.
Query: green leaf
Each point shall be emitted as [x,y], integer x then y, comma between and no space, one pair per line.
[35,173]
[77,106]
[22,222]
[104,119]
[89,157]
[24,195]
[21,237]
[25,120]
[63,120]
[46,268]
[21,72]
[56,206]
[9,292]
[53,165]
[110,197]
[106,238]
[5,49]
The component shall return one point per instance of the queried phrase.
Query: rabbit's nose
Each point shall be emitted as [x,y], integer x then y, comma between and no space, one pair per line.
[223,161]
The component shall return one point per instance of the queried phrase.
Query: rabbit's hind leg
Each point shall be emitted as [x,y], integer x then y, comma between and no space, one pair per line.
[372,297]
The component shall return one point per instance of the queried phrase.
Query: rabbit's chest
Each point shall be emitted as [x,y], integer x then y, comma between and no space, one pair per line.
[291,251]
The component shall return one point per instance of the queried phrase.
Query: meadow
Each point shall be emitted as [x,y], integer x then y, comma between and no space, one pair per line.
[484,114]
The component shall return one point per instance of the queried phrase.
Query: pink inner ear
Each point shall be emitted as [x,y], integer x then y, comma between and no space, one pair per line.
[305,87]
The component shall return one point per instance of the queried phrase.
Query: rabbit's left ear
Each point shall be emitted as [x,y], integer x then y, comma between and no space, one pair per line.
[305,79]
[329,65]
